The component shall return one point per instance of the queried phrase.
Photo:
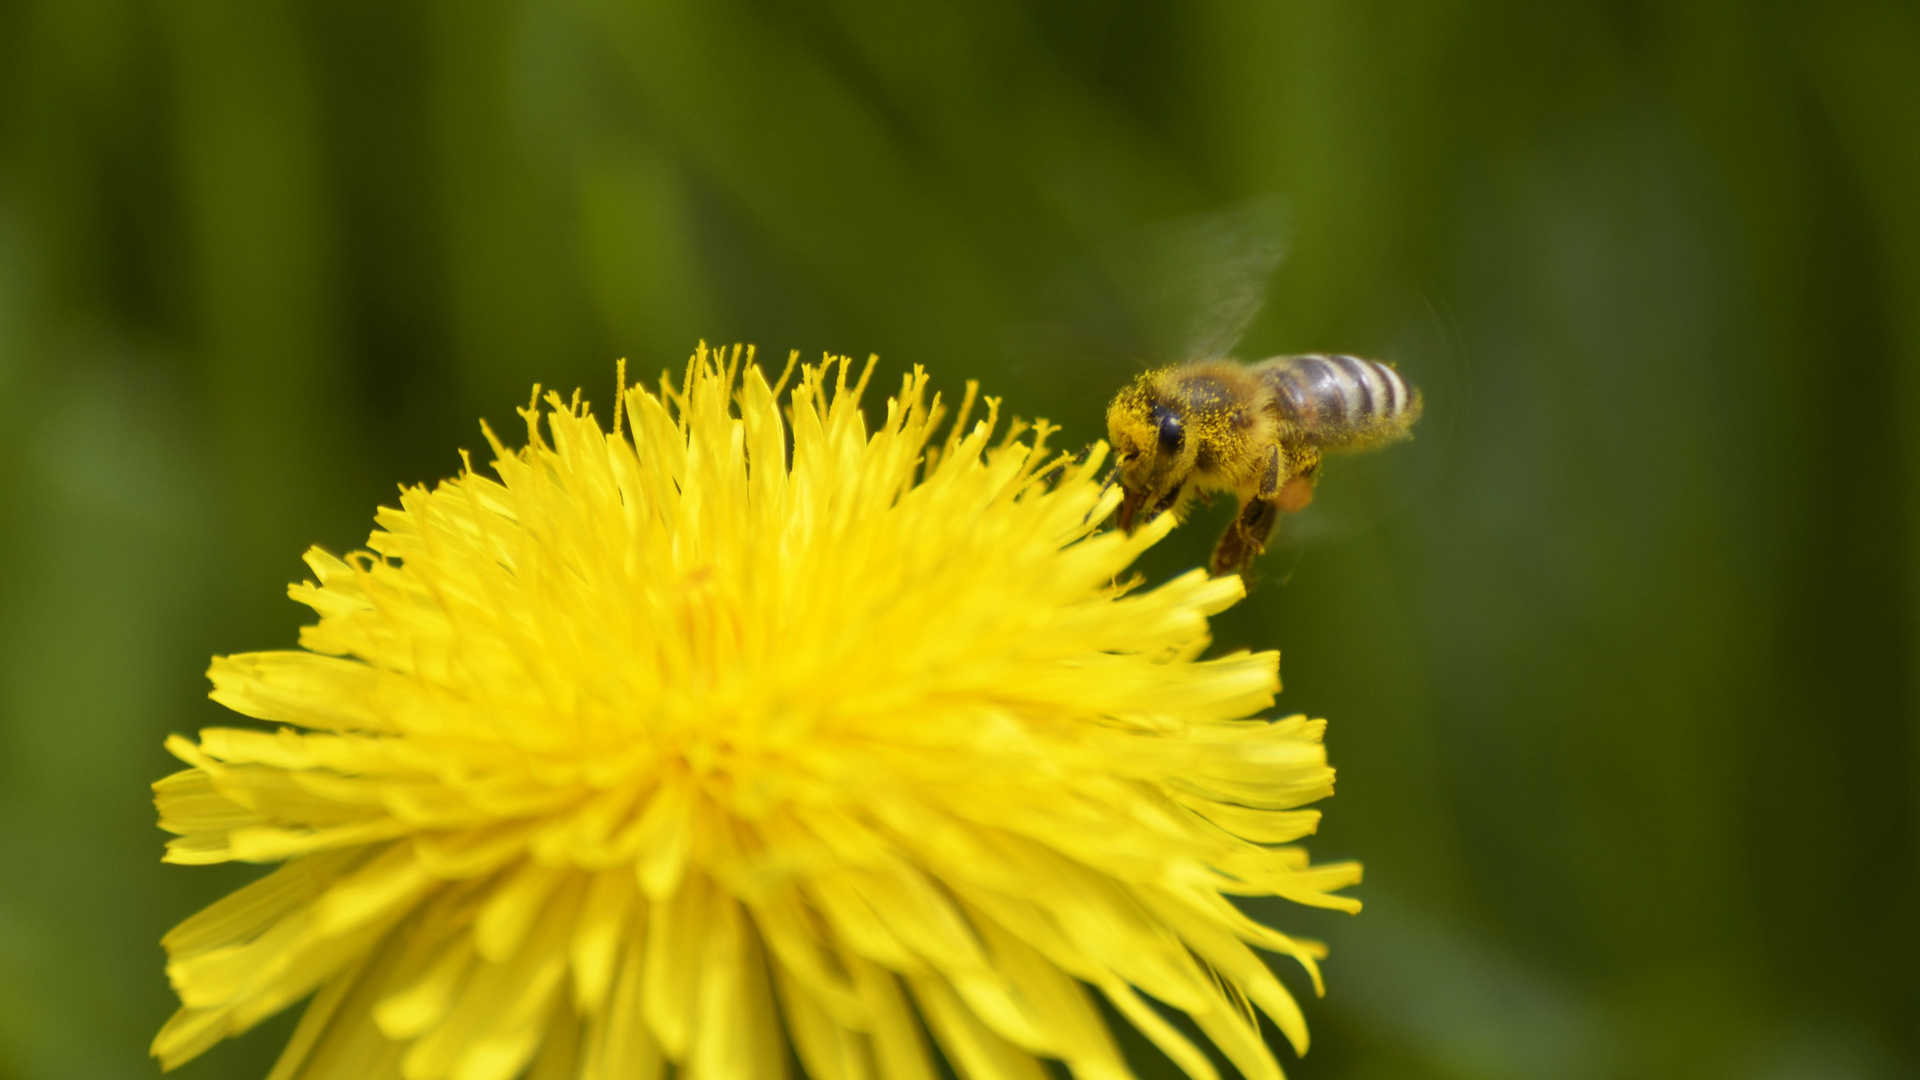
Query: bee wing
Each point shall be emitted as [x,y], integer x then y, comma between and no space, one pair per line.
[1229,258]
[1174,291]
[1179,290]
[1188,288]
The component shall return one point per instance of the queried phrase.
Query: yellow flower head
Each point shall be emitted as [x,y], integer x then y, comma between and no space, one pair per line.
[721,730]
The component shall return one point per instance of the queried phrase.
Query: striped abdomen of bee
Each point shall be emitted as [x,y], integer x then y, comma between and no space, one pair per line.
[1340,402]
[1318,402]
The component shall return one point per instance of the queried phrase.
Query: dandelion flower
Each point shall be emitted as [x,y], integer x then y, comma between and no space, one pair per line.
[737,728]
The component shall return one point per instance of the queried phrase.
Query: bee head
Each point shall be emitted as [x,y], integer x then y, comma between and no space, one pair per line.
[1152,454]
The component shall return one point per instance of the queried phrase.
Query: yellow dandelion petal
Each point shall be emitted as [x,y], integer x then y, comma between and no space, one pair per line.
[741,726]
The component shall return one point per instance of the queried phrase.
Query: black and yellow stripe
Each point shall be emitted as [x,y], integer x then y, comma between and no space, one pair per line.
[1341,401]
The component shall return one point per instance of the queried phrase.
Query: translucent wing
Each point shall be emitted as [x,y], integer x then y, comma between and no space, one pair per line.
[1234,254]
[1179,290]
[1199,281]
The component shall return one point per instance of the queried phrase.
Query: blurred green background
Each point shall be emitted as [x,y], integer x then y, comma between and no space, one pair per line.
[1619,653]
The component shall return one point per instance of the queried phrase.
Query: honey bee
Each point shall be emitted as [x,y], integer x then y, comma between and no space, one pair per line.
[1257,430]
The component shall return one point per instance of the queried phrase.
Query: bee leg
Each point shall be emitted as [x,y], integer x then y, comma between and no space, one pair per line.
[1112,475]
[1247,535]
[1302,473]
[1166,503]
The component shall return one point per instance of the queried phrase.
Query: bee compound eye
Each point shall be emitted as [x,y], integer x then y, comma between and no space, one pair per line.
[1173,433]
